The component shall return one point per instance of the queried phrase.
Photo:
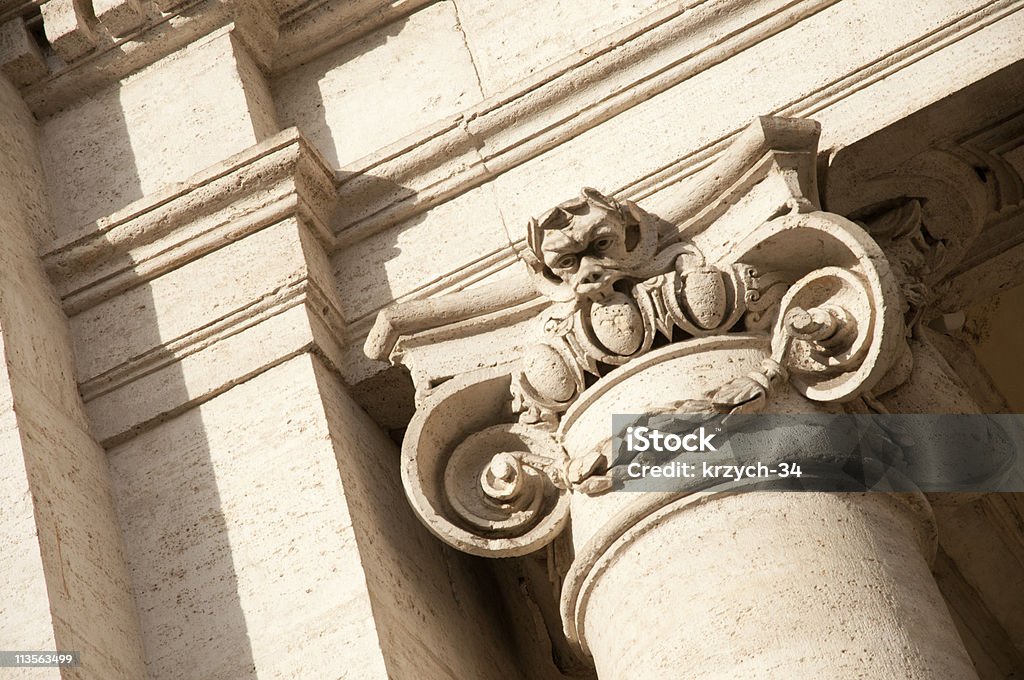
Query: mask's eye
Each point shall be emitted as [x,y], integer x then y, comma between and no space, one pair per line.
[603,244]
[566,262]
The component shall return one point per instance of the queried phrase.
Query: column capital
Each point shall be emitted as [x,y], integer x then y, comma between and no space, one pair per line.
[748,264]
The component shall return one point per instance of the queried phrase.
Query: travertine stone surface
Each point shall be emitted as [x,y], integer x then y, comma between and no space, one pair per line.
[226,575]
[818,83]
[416,71]
[70,27]
[20,58]
[461,630]
[63,569]
[24,613]
[997,328]
[505,54]
[154,128]
[216,278]
[397,264]
[771,585]
[119,16]
[252,232]
[266,538]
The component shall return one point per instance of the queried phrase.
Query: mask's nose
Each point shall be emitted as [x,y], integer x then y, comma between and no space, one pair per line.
[590,273]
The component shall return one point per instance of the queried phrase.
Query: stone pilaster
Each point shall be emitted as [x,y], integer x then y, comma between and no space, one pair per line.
[208,332]
[63,566]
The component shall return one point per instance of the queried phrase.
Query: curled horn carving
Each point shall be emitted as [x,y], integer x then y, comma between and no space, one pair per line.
[480,481]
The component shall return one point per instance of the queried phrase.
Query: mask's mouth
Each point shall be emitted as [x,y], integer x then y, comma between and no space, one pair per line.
[597,284]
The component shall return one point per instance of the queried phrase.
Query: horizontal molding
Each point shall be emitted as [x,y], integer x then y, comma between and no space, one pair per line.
[753,143]
[114,59]
[420,154]
[317,27]
[16,8]
[770,159]
[280,187]
[455,281]
[614,74]
[278,43]
[637,63]
[993,266]
[155,397]
[302,292]
[831,93]
[281,177]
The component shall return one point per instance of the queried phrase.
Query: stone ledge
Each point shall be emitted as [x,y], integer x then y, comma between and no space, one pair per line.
[766,169]
[563,102]
[196,288]
[219,205]
[178,342]
[559,103]
[99,42]
[314,28]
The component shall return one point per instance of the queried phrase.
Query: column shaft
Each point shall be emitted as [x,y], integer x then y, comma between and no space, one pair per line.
[773,585]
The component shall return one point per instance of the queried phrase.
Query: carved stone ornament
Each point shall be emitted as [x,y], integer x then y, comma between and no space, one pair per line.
[753,262]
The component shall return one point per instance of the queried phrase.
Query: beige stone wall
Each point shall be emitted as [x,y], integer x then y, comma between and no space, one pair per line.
[224,496]
[62,566]
[268,537]
[153,128]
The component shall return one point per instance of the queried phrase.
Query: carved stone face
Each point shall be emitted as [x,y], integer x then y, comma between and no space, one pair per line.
[585,245]
[589,254]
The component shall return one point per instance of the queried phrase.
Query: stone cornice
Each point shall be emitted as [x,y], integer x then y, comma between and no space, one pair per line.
[632,65]
[444,161]
[564,101]
[283,175]
[316,27]
[765,144]
[968,202]
[319,306]
[112,58]
[135,286]
[95,49]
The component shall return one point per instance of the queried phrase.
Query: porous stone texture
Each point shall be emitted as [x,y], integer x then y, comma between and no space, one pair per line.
[415,71]
[399,264]
[995,329]
[62,566]
[156,127]
[246,248]
[267,537]
[505,54]
[774,585]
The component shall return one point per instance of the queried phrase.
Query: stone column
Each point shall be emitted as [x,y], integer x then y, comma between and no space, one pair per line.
[769,585]
[752,300]
[739,582]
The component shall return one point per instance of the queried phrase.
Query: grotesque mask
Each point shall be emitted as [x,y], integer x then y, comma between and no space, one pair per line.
[583,247]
